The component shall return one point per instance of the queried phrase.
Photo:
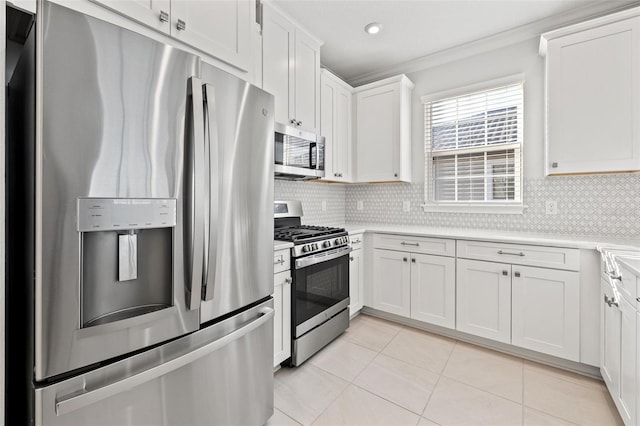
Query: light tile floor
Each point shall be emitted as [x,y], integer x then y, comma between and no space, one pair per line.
[381,373]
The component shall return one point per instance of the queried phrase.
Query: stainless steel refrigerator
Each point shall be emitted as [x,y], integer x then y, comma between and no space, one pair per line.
[139,226]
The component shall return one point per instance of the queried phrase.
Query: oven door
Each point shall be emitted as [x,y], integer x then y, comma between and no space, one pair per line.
[321,288]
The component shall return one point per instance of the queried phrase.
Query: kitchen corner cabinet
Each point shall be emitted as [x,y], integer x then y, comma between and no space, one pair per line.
[593,95]
[281,306]
[219,28]
[336,126]
[356,275]
[291,70]
[383,130]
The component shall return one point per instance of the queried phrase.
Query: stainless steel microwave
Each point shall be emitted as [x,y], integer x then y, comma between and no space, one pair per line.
[299,155]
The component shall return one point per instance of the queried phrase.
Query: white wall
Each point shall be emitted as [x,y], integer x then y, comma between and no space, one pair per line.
[515,59]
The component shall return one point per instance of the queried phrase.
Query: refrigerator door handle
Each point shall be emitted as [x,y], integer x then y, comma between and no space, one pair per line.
[194,195]
[84,398]
[212,203]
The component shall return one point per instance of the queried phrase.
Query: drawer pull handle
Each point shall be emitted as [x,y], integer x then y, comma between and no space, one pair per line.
[410,244]
[614,276]
[611,301]
[510,253]
[279,261]
[356,242]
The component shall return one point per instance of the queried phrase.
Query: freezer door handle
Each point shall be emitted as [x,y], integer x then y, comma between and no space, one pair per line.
[84,398]
[194,218]
[212,171]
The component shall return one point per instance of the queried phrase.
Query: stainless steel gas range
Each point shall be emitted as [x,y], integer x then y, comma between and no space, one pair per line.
[320,272]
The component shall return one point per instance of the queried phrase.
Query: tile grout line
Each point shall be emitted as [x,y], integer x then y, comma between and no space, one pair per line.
[435,386]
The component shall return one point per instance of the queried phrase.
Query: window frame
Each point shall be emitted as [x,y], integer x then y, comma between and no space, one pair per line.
[498,207]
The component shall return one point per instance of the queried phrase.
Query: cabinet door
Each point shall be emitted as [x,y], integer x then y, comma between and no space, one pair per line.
[277,62]
[433,289]
[221,28]
[356,275]
[306,82]
[391,282]
[546,311]
[342,144]
[328,95]
[628,382]
[610,335]
[593,94]
[377,121]
[282,317]
[147,12]
[483,305]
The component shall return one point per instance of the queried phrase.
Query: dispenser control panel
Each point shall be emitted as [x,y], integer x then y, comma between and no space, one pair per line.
[111,214]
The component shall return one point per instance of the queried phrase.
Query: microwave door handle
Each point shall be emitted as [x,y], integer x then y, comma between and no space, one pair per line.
[313,146]
[194,217]
[212,208]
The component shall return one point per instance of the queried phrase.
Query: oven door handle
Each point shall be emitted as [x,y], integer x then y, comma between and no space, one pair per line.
[322,257]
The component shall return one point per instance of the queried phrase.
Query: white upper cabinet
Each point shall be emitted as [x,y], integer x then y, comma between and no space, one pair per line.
[593,96]
[220,28]
[336,126]
[291,70]
[383,135]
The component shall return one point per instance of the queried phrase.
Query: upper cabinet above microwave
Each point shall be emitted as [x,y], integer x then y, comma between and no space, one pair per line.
[291,70]
[221,29]
[593,95]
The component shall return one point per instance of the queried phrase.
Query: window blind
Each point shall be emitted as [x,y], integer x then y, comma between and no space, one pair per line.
[473,146]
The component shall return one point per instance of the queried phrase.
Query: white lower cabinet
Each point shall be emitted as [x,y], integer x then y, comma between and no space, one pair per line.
[545,311]
[483,306]
[282,317]
[610,335]
[417,286]
[356,275]
[391,282]
[433,289]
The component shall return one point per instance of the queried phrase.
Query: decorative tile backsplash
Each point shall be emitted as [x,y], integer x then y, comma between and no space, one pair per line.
[598,205]
[312,194]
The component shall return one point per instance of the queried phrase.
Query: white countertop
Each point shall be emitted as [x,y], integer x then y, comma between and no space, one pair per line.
[584,242]
[281,245]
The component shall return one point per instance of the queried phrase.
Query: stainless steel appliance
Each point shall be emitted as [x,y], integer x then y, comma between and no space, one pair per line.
[139,275]
[298,155]
[320,272]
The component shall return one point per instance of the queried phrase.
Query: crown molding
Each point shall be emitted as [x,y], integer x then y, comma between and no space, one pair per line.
[496,41]
[299,26]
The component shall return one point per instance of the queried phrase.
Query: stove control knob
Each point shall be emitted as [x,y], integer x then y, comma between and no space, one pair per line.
[326,244]
[315,246]
[305,249]
[337,241]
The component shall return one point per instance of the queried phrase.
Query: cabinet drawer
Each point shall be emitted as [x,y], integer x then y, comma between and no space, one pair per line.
[626,284]
[281,261]
[356,241]
[424,245]
[519,254]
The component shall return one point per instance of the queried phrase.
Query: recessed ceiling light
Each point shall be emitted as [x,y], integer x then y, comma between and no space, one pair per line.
[373,28]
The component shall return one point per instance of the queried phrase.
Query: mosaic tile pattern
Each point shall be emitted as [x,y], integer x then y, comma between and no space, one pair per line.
[312,194]
[599,205]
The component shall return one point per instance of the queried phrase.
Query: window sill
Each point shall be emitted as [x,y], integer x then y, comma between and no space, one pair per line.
[473,208]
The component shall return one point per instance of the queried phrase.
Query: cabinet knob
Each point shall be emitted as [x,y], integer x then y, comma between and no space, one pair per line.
[395,175]
[299,123]
[292,121]
[517,274]
[164,16]
[554,165]
[413,260]
[335,174]
[505,272]
[404,259]
[288,280]
[181,25]
[351,258]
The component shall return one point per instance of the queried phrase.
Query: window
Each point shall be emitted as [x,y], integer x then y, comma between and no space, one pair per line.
[473,149]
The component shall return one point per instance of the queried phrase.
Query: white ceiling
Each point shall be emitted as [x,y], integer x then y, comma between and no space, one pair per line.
[414,29]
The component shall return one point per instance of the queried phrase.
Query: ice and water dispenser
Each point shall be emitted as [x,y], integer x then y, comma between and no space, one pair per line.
[126,257]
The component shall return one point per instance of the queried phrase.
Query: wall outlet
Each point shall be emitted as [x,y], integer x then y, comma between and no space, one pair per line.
[359,205]
[324,206]
[406,206]
[551,207]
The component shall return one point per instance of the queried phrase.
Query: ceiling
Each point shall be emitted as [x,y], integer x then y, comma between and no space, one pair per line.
[419,29]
